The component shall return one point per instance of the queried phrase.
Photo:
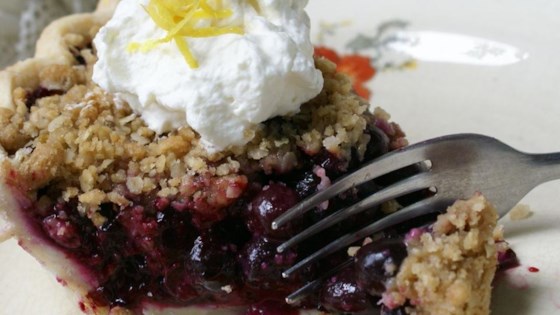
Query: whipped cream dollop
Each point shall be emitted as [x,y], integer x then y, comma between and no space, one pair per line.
[242,79]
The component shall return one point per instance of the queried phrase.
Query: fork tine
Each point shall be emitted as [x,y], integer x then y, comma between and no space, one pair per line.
[414,210]
[401,188]
[309,288]
[381,166]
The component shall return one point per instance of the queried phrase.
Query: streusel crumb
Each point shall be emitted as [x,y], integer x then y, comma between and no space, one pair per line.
[450,270]
[520,212]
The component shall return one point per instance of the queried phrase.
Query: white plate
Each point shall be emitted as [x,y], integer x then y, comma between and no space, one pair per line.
[513,96]
[482,66]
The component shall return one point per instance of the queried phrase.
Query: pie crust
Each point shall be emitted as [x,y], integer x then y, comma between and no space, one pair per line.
[52,48]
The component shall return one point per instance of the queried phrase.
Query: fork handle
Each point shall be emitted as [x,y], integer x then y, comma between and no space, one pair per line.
[544,167]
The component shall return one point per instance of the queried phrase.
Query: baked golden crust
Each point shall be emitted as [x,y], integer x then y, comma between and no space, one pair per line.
[107,5]
[53,47]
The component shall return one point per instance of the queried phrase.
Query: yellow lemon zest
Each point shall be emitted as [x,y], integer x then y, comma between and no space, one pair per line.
[206,8]
[187,54]
[214,31]
[255,5]
[181,18]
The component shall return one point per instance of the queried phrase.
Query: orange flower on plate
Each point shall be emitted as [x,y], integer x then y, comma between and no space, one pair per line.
[357,67]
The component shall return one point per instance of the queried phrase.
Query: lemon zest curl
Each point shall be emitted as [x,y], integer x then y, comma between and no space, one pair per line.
[182,18]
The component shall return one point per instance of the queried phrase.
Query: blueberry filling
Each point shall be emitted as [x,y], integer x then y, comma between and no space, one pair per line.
[177,251]
[507,260]
[397,311]
[271,307]
[39,93]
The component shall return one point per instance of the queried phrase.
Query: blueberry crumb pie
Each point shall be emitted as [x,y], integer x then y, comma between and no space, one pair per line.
[145,152]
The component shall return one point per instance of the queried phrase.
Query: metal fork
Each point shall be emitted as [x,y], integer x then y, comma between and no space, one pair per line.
[456,167]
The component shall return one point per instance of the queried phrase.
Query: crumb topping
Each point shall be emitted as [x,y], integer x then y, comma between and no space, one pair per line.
[520,212]
[450,270]
[78,142]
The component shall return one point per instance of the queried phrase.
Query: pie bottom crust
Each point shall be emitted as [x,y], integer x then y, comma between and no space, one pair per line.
[51,49]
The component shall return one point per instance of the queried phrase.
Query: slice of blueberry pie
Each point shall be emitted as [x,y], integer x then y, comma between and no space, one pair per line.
[145,152]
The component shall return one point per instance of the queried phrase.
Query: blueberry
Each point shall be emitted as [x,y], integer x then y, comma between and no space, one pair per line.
[377,262]
[269,204]
[212,262]
[178,282]
[263,266]
[176,230]
[377,145]
[341,293]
